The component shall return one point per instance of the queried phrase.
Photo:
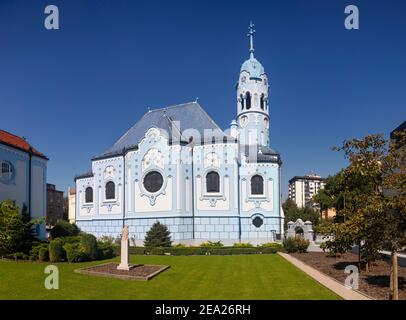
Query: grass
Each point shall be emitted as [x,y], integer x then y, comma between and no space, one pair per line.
[190,277]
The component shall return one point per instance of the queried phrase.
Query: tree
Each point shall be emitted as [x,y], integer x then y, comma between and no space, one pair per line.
[158,236]
[63,228]
[29,234]
[373,187]
[292,213]
[11,227]
[394,193]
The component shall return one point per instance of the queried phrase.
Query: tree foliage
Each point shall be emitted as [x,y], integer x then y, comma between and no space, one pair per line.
[158,236]
[292,213]
[63,228]
[11,227]
[370,198]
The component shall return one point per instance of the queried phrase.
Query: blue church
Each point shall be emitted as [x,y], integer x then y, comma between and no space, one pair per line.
[177,166]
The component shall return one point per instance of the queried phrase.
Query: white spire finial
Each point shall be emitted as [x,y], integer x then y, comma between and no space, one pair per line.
[251,36]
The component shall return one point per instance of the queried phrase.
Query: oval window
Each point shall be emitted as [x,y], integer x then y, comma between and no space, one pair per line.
[153,181]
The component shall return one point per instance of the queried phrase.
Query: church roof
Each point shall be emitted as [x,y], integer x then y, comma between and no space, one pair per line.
[261,154]
[172,121]
[17,142]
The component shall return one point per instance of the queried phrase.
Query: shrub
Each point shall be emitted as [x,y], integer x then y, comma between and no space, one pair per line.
[56,251]
[269,250]
[158,236]
[105,250]
[290,245]
[107,239]
[271,245]
[242,245]
[296,244]
[34,252]
[156,251]
[211,244]
[302,245]
[133,250]
[88,243]
[63,228]
[184,251]
[71,239]
[75,253]
[43,254]
[179,245]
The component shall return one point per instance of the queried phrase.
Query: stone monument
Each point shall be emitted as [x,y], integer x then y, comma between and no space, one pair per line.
[124,265]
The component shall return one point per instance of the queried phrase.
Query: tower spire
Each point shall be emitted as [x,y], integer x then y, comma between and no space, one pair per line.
[251,31]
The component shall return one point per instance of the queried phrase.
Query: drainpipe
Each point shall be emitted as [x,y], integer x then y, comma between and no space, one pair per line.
[29,180]
[239,199]
[193,197]
[124,181]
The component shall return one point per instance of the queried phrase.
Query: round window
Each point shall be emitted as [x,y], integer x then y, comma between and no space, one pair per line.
[257,222]
[153,181]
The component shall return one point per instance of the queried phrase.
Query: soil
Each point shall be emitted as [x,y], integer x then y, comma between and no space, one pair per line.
[375,283]
[138,272]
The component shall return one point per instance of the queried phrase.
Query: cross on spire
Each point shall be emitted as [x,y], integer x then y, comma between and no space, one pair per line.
[251,31]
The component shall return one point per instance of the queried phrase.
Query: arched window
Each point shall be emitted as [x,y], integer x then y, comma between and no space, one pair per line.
[89,195]
[257,185]
[262,102]
[110,190]
[212,182]
[6,171]
[242,101]
[248,100]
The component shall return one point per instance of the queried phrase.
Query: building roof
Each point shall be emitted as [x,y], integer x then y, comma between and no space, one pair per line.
[173,121]
[17,142]
[261,154]
[253,67]
[307,177]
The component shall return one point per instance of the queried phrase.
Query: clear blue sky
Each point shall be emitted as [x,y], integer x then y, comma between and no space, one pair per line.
[75,91]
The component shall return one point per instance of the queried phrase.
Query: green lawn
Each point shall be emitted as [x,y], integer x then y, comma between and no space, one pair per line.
[266,276]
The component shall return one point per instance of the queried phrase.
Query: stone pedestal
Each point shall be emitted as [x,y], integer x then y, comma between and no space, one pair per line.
[124,265]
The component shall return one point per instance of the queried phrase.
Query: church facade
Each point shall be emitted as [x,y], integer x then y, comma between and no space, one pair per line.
[177,166]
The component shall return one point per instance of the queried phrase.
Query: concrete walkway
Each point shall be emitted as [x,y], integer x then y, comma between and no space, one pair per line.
[330,283]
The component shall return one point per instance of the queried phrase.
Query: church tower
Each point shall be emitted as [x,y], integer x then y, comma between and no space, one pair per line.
[252,100]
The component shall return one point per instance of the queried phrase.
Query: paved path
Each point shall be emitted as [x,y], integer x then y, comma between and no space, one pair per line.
[313,247]
[326,281]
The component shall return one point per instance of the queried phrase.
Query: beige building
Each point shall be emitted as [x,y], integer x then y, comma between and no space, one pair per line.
[71,204]
[303,188]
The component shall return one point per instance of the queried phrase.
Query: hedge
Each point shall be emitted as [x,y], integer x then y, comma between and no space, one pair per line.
[188,251]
